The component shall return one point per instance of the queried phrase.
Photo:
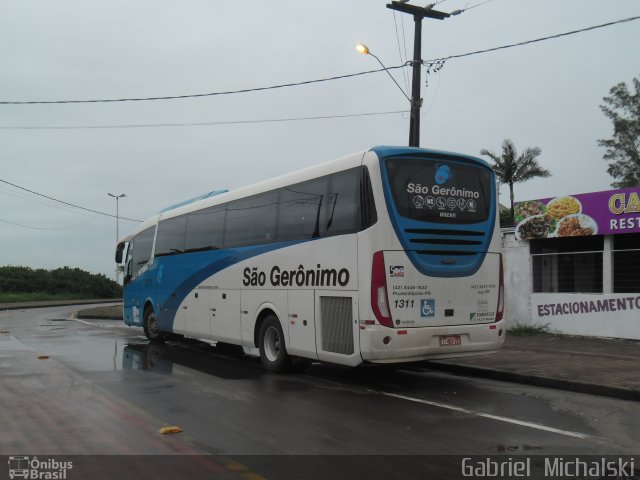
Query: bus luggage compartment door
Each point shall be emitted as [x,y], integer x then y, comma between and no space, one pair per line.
[301,323]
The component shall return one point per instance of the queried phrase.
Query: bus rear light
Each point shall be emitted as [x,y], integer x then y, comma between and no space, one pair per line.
[402,332]
[500,307]
[379,299]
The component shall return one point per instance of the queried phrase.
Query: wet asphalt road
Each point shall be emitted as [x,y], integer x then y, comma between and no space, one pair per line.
[105,390]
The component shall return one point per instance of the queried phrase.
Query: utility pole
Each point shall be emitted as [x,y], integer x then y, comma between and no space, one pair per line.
[416,102]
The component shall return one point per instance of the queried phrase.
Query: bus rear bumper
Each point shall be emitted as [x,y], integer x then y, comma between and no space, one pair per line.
[414,344]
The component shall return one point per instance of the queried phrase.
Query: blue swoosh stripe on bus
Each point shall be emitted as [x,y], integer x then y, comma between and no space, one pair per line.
[182,287]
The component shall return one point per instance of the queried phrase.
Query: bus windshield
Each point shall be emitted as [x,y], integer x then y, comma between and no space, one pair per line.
[439,191]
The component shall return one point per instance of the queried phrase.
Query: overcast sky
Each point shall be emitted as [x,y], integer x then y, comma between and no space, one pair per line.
[546,95]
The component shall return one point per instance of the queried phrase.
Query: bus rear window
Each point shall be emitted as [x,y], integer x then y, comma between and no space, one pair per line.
[441,191]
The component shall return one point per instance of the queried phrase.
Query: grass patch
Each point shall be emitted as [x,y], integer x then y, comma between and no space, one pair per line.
[11,297]
[520,330]
[102,312]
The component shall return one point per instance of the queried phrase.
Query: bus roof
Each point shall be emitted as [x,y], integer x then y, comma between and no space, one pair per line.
[222,196]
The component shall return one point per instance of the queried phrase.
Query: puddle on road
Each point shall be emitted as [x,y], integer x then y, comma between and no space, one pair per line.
[162,358]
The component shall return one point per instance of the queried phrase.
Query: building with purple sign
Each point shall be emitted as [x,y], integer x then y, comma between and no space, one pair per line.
[576,259]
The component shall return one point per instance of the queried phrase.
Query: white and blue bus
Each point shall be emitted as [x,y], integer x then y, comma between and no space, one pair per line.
[388,255]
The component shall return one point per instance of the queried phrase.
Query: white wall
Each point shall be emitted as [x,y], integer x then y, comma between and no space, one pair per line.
[588,314]
[517,279]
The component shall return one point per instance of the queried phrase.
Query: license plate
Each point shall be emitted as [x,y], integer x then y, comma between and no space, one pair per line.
[450,340]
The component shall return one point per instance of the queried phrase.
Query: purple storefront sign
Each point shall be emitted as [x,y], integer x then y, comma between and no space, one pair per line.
[598,213]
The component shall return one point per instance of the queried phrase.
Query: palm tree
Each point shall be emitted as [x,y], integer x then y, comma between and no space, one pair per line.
[511,168]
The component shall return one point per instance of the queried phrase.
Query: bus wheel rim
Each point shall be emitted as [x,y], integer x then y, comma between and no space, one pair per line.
[272,344]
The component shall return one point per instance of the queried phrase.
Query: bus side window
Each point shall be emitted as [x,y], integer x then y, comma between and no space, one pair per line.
[343,212]
[368,213]
[252,220]
[128,264]
[170,238]
[141,251]
[205,229]
[301,210]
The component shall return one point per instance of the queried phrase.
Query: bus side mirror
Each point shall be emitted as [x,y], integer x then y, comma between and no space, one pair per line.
[119,252]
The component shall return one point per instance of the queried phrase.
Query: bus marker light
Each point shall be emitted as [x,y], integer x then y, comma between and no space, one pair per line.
[402,332]
[492,327]
[369,322]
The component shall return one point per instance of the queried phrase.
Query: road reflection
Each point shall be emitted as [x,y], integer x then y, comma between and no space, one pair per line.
[164,358]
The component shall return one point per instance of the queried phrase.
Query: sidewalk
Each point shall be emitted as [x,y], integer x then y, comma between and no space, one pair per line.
[599,366]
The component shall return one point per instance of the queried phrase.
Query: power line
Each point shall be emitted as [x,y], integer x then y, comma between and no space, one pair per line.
[197,95]
[404,47]
[195,124]
[67,203]
[42,228]
[47,203]
[402,59]
[535,40]
[308,82]
[462,10]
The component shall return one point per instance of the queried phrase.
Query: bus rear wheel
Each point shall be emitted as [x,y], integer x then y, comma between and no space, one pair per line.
[273,353]
[150,326]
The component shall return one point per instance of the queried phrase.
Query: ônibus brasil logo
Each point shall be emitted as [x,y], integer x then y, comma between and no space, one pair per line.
[22,466]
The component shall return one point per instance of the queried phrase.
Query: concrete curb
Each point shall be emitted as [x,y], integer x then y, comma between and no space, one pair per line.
[548,382]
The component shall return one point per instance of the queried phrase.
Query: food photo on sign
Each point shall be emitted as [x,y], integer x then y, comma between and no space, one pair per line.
[612,211]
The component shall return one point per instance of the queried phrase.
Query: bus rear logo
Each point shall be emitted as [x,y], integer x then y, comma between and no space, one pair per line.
[443,173]
[427,308]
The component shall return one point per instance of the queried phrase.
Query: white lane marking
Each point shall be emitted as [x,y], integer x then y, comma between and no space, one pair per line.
[514,421]
[85,322]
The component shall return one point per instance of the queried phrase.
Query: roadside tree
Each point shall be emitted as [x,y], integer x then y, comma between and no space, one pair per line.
[622,106]
[511,168]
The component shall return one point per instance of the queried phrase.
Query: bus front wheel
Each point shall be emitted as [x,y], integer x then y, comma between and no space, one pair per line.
[150,326]
[273,354]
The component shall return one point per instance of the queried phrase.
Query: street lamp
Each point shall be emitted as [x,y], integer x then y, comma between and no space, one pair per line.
[117,197]
[364,50]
